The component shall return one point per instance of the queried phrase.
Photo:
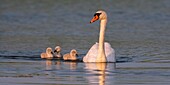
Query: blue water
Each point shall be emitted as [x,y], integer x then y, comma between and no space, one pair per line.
[138,30]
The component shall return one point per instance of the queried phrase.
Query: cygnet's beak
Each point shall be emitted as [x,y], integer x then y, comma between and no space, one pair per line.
[77,55]
[55,51]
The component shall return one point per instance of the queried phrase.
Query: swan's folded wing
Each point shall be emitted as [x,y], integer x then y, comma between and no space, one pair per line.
[92,54]
[110,53]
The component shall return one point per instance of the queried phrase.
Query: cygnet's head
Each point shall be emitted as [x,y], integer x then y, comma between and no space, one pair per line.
[57,49]
[99,15]
[49,50]
[74,52]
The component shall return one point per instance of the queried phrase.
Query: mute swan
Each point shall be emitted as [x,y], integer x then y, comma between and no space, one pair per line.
[102,51]
[57,52]
[48,54]
[71,56]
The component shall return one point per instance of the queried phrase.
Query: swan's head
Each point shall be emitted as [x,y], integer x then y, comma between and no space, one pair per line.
[99,15]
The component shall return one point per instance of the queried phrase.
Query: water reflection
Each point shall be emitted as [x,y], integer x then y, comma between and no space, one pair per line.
[99,72]
[71,65]
[58,64]
[93,73]
[48,65]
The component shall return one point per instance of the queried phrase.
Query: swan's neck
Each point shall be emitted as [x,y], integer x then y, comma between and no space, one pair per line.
[101,52]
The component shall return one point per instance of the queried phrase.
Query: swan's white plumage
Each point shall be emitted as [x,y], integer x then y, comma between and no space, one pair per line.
[102,51]
[93,52]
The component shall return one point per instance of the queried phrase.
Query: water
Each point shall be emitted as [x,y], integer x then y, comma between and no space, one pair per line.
[138,30]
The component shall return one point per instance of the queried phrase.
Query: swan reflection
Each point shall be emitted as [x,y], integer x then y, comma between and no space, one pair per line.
[99,72]
[93,73]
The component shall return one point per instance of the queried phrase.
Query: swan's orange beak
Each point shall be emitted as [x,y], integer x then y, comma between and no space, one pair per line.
[95,18]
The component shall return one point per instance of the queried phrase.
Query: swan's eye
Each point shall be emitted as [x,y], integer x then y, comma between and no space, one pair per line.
[98,14]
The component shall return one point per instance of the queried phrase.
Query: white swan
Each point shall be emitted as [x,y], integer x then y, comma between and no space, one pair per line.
[102,51]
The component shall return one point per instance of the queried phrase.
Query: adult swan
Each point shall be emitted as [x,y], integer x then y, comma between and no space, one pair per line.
[102,51]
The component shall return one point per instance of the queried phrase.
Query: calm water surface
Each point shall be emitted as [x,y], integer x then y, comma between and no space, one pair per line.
[138,30]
